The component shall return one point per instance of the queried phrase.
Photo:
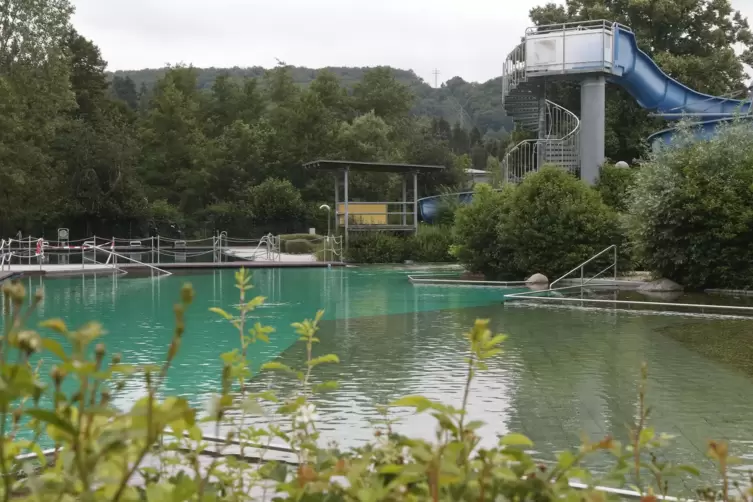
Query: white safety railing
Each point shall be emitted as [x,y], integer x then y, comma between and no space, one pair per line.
[132,260]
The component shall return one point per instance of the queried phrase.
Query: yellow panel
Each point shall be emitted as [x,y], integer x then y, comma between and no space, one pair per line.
[363,219]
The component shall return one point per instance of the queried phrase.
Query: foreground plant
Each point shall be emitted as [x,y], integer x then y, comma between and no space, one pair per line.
[159,450]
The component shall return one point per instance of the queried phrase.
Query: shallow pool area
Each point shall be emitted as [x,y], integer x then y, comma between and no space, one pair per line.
[566,371]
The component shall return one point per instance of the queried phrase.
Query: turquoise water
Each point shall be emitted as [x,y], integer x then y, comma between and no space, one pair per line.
[565,371]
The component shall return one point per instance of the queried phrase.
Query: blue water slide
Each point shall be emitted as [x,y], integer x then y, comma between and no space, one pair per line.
[428,207]
[655,90]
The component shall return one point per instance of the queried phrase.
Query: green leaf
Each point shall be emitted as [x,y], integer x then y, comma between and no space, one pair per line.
[221,312]
[420,403]
[255,302]
[515,440]
[474,425]
[325,387]
[54,347]
[57,325]
[52,418]
[647,435]
[329,358]
[277,366]
[252,406]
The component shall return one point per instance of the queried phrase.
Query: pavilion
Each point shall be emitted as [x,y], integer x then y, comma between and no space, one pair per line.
[374,216]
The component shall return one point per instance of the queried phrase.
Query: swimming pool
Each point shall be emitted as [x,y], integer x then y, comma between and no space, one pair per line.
[565,371]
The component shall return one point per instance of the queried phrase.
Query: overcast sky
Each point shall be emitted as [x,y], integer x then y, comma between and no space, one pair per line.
[469,38]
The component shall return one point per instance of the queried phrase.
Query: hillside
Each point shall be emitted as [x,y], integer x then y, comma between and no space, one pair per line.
[456,100]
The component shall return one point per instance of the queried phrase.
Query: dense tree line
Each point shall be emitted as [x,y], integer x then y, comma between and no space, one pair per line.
[112,157]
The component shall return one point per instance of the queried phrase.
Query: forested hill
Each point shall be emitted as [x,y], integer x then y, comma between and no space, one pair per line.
[479,104]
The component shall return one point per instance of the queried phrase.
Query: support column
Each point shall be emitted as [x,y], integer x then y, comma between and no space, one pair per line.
[404,205]
[346,207]
[415,202]
[337,204]
[542,134]
[592,118]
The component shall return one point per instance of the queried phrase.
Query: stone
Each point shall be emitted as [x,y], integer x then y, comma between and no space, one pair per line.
[622,164]
[661,296]
[661,286]
[537,279]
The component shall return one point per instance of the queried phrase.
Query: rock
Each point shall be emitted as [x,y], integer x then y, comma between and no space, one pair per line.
[660,286]
[661,296]
[537,279]
[622,164]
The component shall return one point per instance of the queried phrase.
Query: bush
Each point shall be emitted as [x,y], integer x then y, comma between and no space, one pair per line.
[276,206]
[549,224]
[298,246]
[312,239]
[477,240]
[376,247]
[692,210]
[431,244]
[553,223]
[614,186]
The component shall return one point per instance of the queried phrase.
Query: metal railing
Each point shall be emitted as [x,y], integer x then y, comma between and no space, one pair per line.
[140,263]
[582,266]
[563,149]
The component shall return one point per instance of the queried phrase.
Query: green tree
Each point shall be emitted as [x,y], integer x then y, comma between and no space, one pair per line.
[380,93]
[691,211]
[124,89]
[478,245]
[275,205]
[88,79]
[555,222]
[178,158]
[35,95]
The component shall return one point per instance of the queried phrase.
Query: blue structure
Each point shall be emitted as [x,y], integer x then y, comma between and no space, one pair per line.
[592,54]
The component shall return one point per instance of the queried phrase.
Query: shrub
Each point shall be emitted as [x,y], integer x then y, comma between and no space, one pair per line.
[692,210]
[554,222]
[376,247]
[431,244]
[298,246]
[477,241]
[312,239]
[275,205]
[614,186]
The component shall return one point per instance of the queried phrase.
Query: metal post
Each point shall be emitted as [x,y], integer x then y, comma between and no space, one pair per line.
[404,207]
[615,264]
[346,207]
[593,117]
[415,201]
[337,202]
[158,249]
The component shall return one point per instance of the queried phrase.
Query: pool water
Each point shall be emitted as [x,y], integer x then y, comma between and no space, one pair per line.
[565,371]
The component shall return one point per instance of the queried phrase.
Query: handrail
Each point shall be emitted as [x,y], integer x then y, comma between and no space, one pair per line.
[613,247]
[149,265]
[556,116]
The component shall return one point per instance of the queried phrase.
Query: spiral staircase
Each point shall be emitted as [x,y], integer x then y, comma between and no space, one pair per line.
[557,129]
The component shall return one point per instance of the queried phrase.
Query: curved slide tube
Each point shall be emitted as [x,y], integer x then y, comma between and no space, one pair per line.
[655,90]
[428,207]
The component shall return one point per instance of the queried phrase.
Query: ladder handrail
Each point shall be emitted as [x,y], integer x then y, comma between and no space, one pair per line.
[580,267]
[149,265]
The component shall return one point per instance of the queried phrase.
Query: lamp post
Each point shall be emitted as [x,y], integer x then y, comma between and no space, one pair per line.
[329,222]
